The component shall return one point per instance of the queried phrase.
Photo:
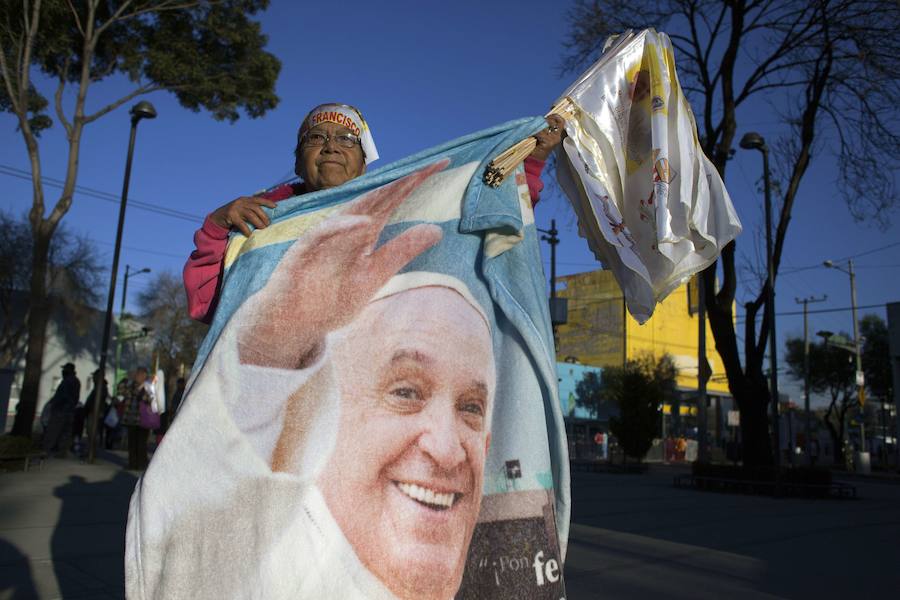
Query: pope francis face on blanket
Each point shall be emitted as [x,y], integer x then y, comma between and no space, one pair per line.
[411,358]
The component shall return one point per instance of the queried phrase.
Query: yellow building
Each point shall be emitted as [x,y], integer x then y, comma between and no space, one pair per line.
[601,333]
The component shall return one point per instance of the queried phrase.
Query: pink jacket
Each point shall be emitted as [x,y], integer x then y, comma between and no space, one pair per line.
[203,270]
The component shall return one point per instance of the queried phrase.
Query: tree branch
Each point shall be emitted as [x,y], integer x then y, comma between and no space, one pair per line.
[146,89]
[112,19]
[163,6]
[25,66]
[76,17]
[57,98]
[7,82]
[807,134]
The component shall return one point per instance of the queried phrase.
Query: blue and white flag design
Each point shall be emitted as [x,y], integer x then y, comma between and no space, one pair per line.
[374,412]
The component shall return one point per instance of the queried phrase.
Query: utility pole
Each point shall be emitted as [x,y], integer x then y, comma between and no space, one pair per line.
[857,346]
[558,306]
[805,302]
[119,330]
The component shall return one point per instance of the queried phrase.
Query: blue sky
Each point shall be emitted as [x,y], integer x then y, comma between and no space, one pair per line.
[422,75]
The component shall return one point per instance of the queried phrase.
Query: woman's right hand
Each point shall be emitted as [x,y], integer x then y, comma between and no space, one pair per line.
[242,211]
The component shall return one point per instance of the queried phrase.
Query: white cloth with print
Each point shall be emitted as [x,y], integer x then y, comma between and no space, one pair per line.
[651,205]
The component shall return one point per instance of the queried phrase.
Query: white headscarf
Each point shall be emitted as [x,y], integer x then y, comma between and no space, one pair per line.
[347,116]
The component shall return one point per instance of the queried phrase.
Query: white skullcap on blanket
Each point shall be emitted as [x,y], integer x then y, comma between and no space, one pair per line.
[347,116]
[403,282]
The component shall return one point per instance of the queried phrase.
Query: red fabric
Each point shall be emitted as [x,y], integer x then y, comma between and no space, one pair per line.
[203,271]
[533,168]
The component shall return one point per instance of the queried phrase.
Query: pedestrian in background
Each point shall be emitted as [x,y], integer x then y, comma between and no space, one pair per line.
[140,392]
[112,419]
[102,403]
[57,437]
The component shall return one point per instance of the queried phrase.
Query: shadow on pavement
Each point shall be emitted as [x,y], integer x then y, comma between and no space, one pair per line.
[638,536]
[21,585]
[88,542]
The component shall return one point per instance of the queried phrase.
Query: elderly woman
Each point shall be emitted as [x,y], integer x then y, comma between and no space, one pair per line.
[334,145]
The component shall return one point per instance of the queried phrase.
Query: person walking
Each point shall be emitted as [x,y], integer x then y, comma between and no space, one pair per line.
[98,382]
[58,436]
[112,418]
[139,393]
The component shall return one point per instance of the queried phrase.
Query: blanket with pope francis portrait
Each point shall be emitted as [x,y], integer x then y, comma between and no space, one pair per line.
[374,411]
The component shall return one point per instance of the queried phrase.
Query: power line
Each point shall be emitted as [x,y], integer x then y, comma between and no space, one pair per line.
[872,251]
[101,195]
[144,250]
[790,270]
[821,310]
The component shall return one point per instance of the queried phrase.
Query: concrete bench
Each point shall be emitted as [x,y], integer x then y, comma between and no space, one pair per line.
[26,458]
[747,486]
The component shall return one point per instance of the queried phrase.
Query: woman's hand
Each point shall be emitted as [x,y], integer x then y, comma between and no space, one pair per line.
[328,276]
[548,139]
[242,211]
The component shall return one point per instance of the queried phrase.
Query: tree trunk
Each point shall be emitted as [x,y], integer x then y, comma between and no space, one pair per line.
[837,440]
[756,446]
[37,333]
[750,394]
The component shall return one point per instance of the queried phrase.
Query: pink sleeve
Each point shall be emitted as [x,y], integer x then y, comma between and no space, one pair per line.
[533,168]
[203,270]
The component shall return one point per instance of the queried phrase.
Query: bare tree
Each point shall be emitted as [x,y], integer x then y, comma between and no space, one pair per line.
[208,53]
[175,337]
[832,66]
[74,278]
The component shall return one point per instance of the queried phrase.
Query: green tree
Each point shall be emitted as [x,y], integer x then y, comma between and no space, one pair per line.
[638,389]
[833,68]
[589,393]
[876,356]
[209,54]
[832,371]
[175,336]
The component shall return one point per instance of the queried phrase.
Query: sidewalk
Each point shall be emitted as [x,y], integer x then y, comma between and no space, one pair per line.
[62,533]
[62,529]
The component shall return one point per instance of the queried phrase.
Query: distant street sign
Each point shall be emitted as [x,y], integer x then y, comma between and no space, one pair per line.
[860,378]
[734,418]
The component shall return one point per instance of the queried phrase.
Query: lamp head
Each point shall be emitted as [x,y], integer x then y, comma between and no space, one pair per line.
[825,334]
[142,110]
[753,141]
[829,264]
[144,270]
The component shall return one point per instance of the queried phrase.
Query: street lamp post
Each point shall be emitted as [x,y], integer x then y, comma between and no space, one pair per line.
[121,317]
[141,110]
[860,383]
[754,141]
